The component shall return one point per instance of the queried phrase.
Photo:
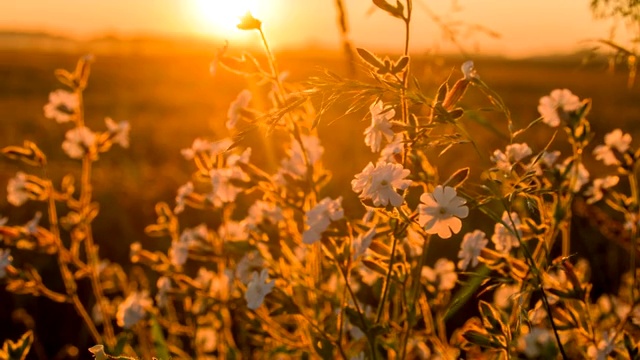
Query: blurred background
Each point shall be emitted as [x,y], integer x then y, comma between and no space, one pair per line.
[152,69]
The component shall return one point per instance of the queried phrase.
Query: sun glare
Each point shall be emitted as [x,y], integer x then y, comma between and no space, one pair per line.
[221,16]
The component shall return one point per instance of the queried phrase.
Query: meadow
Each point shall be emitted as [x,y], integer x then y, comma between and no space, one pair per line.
[171,99]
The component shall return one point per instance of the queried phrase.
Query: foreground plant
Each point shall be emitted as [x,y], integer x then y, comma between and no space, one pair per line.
[280,269]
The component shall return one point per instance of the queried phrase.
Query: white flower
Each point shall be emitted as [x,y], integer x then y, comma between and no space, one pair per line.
[203,146]
[233,231]
[470,248]
[5,260]
[178,253]
[295,164]
[606,155]
[258,288]
[183,192]
[443,274]
[581,175]
[62,106]
[503,296]
[468,70]
[393,148]
[133,309]
[513,154]
[441,211]
[618,140]
[320,217]
[380,126]
[559,100]
[379,183]
[247,265]
[206,338]
[362,242]
[262,211]
[198,233]
[223,189]
[534,344]
[595,192]
[32,225]
[78,141]
[119,131]
[17,193]
[504,237]
[241,102]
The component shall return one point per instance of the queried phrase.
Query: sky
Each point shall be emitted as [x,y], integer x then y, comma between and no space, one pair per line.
[526,27]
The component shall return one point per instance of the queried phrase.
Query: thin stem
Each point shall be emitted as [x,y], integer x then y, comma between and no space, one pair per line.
[387,280]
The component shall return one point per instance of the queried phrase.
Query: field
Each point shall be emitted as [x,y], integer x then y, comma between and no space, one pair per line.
[171,99]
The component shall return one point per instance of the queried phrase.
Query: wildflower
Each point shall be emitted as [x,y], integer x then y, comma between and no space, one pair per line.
[241,102]
[538,342]
[606,155]
[503,296]
[198,233]
[233,231]
[468,70]
[513,154]
[616,139]
[295,164]
[319,218]
[183,192]
[441,211]
[379,183]
[362,242]
[262,211]
[443,274]
[62,106]
[506,236]
[472,245]
[119,131]
[32,225]
[17,193]
[581,175]
[380,126]
[595,192]
[5,261]
[78,142]
[393,148]
[223,189]
[258,288]
[604,347]
[613,140]
[559,100]
[133,309]
[203,146]
[247,265]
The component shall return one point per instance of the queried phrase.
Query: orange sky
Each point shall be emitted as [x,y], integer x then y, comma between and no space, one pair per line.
[526,27]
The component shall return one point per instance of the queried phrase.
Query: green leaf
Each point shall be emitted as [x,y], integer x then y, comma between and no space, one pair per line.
[400,65]
[491,318]
[457,178]
[370,59]
[17,350]
[466,292]
[157,337]
[324,348]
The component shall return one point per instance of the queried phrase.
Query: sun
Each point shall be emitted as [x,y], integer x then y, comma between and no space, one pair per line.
[221,16]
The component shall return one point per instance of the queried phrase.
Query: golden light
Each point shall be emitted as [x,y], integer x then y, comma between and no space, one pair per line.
[220,17]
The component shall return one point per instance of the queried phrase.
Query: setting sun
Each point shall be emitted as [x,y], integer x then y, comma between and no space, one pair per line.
[221,16]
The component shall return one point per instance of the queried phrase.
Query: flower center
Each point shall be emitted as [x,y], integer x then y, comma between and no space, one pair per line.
[442,211]
[384,183]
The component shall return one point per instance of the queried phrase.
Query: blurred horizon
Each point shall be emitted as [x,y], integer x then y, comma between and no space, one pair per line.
[492,27]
